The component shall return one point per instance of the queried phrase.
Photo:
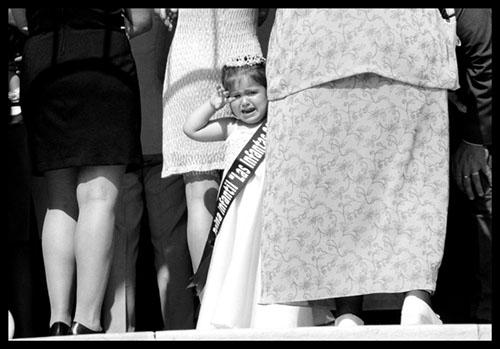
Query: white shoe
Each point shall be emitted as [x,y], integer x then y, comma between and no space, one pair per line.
[417,312]
[348,320]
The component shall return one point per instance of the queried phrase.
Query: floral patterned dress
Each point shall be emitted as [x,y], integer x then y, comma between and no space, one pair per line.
[356,190]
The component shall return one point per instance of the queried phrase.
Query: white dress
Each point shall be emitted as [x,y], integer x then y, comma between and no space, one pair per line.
[203,42]
[232,291]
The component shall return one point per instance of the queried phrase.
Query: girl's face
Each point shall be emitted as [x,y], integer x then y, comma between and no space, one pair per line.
[250,103]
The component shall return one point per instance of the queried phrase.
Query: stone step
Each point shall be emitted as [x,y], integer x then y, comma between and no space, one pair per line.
[459,332]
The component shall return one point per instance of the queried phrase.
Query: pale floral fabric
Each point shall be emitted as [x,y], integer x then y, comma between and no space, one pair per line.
[205,39]
[233,284]
[312,46]
[357,190]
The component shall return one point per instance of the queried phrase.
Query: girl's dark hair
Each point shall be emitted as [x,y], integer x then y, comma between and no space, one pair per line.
[257,72]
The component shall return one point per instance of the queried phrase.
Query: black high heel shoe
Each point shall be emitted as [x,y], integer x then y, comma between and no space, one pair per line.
[78,328]
[59,329]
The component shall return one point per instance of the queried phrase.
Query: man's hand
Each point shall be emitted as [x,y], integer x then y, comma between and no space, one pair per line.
[471,170]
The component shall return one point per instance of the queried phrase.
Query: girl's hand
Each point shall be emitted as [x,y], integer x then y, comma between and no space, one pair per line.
[220,98]
[168,16]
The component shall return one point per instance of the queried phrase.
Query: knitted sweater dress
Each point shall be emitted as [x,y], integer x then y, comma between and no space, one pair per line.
[204,40]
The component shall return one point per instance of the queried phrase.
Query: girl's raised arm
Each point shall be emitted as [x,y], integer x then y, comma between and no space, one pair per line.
[199,127]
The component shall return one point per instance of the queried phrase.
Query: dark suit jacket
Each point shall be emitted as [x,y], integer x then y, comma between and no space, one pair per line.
[470,106]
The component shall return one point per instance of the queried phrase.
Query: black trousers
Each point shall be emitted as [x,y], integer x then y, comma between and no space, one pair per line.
[26,290]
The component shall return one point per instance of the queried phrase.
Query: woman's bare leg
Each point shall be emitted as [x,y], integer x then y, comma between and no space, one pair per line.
[57,242]
[97,191]
[201,200]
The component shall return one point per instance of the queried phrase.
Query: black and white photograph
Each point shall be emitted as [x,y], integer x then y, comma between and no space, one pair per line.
[249,174]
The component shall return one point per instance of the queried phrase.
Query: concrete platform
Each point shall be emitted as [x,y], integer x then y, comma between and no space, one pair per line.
[459,332]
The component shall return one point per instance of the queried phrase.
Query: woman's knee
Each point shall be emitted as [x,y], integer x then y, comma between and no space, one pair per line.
[99,185]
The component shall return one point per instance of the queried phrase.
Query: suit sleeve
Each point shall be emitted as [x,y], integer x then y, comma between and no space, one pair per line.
[474,27]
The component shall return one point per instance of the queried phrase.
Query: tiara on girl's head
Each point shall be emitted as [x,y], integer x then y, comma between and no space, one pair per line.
[247,60]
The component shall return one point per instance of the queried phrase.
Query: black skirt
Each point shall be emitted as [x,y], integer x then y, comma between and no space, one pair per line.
[80,99]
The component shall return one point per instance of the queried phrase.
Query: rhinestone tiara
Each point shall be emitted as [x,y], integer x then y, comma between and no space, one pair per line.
[246,60]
